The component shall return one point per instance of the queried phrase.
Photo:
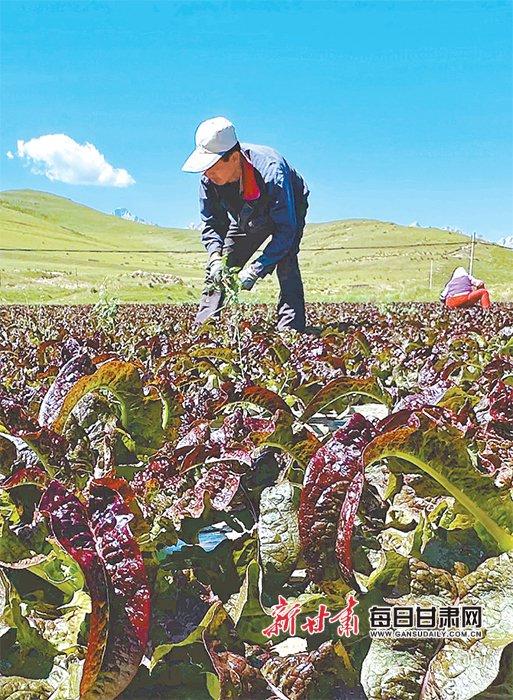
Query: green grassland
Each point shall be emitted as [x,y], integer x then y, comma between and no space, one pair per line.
[370,269]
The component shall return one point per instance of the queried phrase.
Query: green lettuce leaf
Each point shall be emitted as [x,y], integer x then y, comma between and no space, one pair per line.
[194,637]
[60,626]
[502,687]
[301,445]
[456,668]
[17,688]
[341,387]
[442,454]
[246,610]
[141,415]
[278,532]
[62,683]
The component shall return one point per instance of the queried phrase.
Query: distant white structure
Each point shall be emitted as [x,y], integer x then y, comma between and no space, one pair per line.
[126,214]
[454,229]
[507,241]
[195,226]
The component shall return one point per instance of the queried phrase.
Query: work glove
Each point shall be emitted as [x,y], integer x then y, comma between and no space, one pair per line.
[215,268]
[248,277]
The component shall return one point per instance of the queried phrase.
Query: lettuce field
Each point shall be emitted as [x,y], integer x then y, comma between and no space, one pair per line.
[232,512]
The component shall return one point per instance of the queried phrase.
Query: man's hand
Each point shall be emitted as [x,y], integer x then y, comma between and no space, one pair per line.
[248,277]
[215,268]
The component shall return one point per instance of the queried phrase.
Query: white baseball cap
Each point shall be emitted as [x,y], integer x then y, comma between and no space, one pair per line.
[213,138]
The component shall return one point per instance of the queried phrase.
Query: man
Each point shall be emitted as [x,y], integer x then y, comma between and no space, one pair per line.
[249,193]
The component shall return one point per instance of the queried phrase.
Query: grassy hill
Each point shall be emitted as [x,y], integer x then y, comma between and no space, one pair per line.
[352,260]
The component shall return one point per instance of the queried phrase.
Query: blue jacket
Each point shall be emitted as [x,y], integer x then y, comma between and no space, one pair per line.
[279,210]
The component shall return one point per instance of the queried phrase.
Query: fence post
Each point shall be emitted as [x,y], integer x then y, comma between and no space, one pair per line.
[472,246]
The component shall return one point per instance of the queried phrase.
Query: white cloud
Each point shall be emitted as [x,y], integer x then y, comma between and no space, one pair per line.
[62,159]
[10,155]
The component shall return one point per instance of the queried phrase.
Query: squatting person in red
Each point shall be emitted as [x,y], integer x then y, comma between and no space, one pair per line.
[464,290]
[249,193]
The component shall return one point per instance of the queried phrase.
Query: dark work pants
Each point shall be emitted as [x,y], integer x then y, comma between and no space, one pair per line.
[291,303]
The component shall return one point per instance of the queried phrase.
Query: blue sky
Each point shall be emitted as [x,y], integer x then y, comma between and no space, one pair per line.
[398,111]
